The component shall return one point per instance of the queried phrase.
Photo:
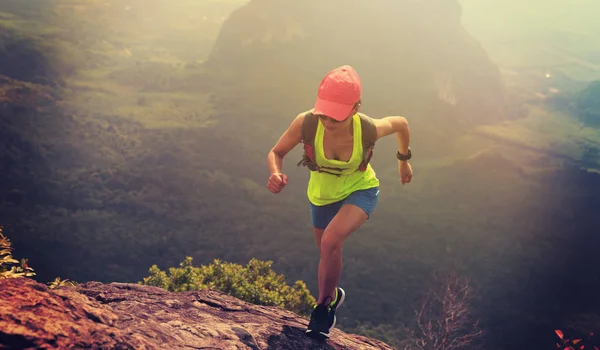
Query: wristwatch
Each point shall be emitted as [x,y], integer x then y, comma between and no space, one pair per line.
[401,156]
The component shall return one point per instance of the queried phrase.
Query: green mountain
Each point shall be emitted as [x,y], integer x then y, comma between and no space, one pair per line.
[126,143]
[414,56]
[583,104]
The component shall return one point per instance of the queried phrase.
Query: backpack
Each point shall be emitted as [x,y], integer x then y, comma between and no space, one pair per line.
[309,129]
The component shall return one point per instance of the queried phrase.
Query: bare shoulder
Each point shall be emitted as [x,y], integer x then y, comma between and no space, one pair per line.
[296,124]
[382,125]
[387,125]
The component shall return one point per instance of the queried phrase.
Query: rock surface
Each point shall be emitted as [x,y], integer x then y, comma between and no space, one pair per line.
[130,316]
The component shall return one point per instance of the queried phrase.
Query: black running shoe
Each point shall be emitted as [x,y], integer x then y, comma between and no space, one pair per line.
[318,327]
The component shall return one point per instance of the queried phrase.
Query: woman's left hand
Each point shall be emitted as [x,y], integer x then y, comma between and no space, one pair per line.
[405,171]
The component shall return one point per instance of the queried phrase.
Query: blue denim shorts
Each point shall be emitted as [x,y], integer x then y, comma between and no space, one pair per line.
[364,199]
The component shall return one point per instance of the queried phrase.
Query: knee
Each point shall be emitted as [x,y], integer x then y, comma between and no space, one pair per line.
[331,243]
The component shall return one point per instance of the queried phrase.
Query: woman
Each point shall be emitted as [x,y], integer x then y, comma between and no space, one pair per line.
[341,196]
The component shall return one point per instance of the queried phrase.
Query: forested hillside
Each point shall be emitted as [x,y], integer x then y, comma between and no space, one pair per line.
[122,149]
[583,104]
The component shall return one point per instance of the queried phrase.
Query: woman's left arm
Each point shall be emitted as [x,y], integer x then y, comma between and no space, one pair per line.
[398,125]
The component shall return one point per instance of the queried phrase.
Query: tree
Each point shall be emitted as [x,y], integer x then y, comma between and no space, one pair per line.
[445,320]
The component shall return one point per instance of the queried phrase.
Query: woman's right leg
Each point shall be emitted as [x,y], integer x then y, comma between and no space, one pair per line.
[321,217]
[318,234]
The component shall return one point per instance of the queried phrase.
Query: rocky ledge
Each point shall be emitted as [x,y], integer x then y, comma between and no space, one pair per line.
[94,315]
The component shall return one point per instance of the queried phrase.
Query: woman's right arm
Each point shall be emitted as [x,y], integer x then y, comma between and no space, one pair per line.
[290,138]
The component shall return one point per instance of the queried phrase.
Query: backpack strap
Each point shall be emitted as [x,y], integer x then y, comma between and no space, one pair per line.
[369,136]
[309,129]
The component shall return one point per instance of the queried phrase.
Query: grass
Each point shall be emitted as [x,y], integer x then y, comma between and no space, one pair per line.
[112,85]
[163,110]
[5,15]
[529,142]
[546,132]
[154,110]
[11,23]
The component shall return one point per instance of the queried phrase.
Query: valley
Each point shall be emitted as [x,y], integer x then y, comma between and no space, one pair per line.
[131,144]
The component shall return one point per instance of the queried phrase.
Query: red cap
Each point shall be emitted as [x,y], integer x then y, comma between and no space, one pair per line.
[339,91]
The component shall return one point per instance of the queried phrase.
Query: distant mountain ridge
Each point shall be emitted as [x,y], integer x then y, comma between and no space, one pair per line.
[414,57]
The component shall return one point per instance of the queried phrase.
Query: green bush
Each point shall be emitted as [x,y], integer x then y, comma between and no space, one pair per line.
[255,283]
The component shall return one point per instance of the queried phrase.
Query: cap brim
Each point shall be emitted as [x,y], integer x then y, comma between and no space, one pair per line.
[333,110]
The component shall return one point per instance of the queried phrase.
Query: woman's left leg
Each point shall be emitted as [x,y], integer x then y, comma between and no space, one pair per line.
[354,211]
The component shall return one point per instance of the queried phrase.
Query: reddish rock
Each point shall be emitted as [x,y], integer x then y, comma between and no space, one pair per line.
[130,316]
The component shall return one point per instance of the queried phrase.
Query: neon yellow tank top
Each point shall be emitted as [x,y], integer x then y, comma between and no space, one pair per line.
[324,188]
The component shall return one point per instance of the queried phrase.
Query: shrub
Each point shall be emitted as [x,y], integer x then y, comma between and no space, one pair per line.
[7,262]
[255,283]
[575,344]
[445,318]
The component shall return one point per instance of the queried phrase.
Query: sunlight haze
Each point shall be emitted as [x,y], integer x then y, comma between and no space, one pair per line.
[136,133]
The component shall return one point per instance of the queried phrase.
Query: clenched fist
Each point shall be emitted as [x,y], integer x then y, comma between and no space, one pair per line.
[277,182]
[405,172]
